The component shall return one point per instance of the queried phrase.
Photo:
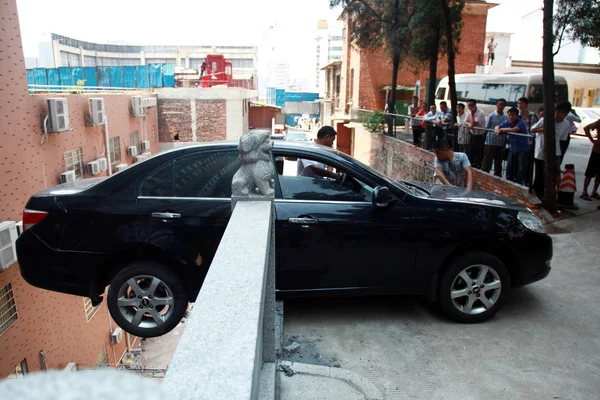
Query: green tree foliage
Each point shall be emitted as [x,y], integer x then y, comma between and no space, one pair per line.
[577,20]
[375,122]
[377,23]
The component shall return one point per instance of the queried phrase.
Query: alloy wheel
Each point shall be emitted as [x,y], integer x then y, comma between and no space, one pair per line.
[145,301]
[476,289]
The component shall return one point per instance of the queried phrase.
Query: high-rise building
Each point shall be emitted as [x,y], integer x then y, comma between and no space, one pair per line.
[328,49]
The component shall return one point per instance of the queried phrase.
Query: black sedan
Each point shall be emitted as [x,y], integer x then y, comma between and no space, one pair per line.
[152,230]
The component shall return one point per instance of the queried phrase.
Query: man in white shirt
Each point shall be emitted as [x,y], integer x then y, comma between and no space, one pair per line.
[562,126]
[433,118]
[315,169]
[476,118]
[463,129]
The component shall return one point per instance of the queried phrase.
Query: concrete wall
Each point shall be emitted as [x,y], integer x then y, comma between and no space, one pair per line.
[203,114]
[262,117]
[49,322]
[402,160]
[376,70]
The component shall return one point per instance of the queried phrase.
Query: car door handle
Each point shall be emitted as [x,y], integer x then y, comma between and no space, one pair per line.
[165,215]
[303,221]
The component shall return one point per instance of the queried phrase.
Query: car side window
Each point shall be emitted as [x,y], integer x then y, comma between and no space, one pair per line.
[207,174]
[160,183]
[299,179]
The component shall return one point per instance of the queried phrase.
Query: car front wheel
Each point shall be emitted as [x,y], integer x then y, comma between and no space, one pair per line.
[147,299]
[474,287]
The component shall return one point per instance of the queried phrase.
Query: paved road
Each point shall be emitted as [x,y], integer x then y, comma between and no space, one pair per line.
[544,344]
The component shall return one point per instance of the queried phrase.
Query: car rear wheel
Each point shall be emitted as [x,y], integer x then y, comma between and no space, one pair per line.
[474,287]
[147,299]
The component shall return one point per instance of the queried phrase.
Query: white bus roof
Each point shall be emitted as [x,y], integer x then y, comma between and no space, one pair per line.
[499,78]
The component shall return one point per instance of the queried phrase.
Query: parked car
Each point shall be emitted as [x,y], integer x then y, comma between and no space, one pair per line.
[152,230]
[587,115]
[297,136]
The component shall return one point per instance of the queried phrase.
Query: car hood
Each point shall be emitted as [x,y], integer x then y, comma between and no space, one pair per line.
[70,188]
[462,195]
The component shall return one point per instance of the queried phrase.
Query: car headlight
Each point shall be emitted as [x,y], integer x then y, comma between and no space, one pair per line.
[531,222]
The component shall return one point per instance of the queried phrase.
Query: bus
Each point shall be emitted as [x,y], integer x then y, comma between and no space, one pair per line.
[487,89]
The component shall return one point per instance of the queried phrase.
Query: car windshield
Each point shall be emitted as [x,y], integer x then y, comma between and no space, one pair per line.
[298,136]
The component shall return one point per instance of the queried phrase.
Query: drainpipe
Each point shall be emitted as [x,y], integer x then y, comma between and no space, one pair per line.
[107,144]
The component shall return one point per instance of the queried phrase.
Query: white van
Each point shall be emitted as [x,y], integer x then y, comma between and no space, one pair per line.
[487,89]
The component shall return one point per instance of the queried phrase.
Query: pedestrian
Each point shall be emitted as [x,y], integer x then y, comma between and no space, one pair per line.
[446,122]
[417,130]
[433,118]
[561,125]
[462,127]
[518,157]
[529,118]
[203,68]
[593,167]
[494,144]
[451,168]
[540,112]
[565,140]
[476,119]
[491,51]
[316,169]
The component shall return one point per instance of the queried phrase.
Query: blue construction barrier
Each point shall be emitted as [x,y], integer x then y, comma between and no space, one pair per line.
[138,76]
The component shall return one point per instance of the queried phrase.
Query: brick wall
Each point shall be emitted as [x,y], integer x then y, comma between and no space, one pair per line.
[376,68]
[47,321]
[176,120]
[402,160]
[211,120]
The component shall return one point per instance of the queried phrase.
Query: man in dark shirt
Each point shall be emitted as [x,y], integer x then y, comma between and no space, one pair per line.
[518,158]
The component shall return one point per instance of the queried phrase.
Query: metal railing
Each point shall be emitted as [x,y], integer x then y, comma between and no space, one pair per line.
[74,89]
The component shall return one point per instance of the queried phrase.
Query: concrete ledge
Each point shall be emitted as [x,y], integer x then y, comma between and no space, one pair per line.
[268,387]
[220,355]
[365,386]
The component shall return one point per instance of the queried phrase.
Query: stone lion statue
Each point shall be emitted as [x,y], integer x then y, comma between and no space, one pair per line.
[255,175]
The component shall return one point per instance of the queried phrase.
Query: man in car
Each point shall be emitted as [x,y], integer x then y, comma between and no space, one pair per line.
[315,169]
[451,168]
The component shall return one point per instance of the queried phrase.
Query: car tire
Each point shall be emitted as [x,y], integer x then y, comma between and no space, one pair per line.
[474,287]
[147,299]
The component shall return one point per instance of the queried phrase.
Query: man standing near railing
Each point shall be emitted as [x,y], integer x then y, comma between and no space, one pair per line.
[475,118]
[415,124]
[494,144]
[463,130]
[433,119]
[518,157]
[446,124]
[593,167]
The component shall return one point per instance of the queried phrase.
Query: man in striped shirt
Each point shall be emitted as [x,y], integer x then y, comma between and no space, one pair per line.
[494,145]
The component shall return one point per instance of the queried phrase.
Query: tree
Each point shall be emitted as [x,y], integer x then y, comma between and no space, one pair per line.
[578,20]
[377,23]
[452,14]
[551,173]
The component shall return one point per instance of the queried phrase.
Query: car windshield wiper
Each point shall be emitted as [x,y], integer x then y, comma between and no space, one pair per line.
[413,188]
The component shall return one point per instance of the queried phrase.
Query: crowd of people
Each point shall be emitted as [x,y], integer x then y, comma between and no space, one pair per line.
[485,142]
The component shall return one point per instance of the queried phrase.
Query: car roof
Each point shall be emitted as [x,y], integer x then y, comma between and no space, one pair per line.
[277,145]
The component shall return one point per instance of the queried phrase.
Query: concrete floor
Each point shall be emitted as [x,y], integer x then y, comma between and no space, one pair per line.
[544,344]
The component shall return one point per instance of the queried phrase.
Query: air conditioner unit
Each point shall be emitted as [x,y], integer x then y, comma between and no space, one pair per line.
[93,167]
[149,102]
[103,164]
[140,158]
[145,145]
[116,336]
[121,167]
[132,151]
[67,177]
[58,115]
[137,105]
[147,154]
[97,111]
[19,226]
[8,236]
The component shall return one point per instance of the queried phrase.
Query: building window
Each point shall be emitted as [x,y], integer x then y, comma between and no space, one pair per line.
[8,308]
[74,162]
[134,139]
[242,63]
[90,310]
[20,371]
[114,145]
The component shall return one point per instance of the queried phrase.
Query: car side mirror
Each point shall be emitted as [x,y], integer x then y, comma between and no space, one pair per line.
[382,196]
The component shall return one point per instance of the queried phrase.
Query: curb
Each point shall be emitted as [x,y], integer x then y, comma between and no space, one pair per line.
[364,385]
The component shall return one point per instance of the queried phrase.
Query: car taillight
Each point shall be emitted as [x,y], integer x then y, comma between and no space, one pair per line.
[32,217]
